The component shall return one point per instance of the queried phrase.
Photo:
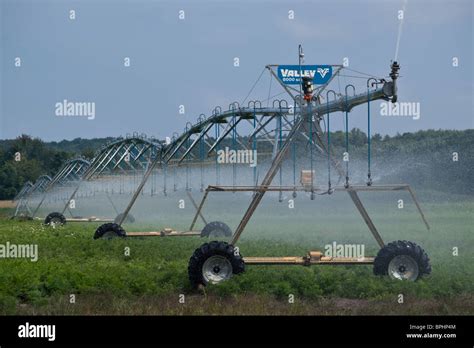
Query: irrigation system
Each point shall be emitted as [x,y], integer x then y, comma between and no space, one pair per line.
[274,131]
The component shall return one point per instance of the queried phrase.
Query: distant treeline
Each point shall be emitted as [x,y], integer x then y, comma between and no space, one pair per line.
[36,158]
[423,158]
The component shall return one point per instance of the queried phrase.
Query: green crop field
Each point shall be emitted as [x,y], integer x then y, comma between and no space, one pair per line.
[150,280]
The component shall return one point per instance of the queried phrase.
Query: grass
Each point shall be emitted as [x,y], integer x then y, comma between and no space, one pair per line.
[149,281]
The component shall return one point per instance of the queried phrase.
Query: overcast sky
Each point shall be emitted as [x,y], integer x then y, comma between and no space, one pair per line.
[190,62]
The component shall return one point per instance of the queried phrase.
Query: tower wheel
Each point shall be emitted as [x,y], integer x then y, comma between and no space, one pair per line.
[214,263]
[402,260]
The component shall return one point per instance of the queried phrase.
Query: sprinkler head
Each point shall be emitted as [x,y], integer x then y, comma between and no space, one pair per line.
[394,73]
[307,86]
[394,76]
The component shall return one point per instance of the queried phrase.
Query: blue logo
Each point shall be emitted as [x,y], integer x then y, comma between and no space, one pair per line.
[291,74]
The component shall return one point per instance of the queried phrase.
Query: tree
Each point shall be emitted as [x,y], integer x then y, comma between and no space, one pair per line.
[88,153]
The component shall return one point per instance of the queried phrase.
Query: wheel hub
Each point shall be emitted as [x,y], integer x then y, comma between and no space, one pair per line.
[403,267]
[216,269]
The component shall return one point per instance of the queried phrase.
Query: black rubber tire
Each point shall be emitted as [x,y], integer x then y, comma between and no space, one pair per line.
[55,216]
[207,250]
[110,227]
[389,251]
[130,218]
[216,229]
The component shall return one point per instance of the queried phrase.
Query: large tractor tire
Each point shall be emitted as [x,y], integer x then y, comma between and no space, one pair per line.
[109,231]
[216,229]
[129,219]
[55,219]
[402,260]
[214,263]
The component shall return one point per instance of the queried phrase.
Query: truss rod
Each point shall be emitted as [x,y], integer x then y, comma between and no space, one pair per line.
[226,132]
[266,181]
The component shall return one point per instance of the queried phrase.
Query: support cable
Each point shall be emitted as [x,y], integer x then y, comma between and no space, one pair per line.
[369,155]
[269,90]
[187,160]
[234,145]
[329,139]
[254,144]
[217,157]
[201,156]
[346,185]
[255,84]
[280,142]
[310,139]
[294,165]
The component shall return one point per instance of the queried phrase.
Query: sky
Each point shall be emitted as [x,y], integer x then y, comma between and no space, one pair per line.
[190,61]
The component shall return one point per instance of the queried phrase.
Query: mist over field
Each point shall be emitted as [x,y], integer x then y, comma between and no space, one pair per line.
[435,163]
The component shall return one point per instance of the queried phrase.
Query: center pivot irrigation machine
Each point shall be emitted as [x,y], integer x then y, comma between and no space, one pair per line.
[115,169]
[281,125]
[72,171]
